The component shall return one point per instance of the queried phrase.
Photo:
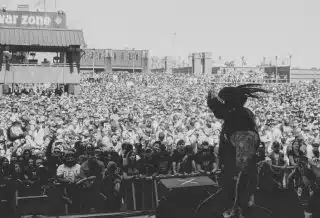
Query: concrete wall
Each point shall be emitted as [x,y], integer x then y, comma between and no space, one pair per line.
[212,70]
[304,74]
[117,59]
[158,70]
[184,70]
[98,55]
[127,58]
[39,74]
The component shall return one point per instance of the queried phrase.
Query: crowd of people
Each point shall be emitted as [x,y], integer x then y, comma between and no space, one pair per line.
[240,75]
[125,125]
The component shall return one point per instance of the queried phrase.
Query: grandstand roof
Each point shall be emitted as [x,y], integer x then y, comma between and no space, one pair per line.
[41,37]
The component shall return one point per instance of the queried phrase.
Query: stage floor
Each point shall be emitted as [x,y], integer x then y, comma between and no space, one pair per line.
[82,216]
[135,214]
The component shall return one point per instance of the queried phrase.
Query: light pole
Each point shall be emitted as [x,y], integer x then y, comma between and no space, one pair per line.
[290,57]
[276,69]
[93,61]
[133,57]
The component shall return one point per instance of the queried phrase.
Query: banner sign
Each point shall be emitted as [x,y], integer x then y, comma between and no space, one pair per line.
[26,19]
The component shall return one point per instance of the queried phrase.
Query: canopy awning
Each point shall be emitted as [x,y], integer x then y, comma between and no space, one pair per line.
[41,37]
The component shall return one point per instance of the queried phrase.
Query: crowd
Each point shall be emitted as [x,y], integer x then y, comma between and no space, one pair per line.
[240,75]
[126,125]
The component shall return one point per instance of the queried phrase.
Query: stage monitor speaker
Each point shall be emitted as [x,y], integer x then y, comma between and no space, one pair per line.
[6,89]
[179,197]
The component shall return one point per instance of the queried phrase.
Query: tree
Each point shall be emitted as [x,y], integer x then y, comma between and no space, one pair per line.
[243,61]
[232,63]
[229,64]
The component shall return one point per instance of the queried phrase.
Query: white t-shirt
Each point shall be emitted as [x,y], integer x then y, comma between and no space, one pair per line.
[69,173]
[310,154]
[116,148]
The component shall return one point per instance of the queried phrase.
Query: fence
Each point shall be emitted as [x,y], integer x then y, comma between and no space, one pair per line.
[139,194]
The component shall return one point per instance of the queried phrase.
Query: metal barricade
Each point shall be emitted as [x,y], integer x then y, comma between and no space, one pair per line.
[141,193]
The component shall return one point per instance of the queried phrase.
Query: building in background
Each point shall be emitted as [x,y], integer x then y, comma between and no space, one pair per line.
[24,7]
[98,60]
[24,35]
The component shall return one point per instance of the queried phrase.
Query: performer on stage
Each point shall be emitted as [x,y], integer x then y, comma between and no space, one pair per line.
[239,141]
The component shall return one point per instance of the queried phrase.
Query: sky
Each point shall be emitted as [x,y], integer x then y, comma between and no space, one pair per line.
[227,28]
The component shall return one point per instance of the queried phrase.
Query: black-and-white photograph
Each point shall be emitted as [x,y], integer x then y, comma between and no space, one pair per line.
[159,109]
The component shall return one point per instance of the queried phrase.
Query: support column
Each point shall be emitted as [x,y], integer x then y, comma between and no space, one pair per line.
[196,63]
[207,63]
[1,58]
[165,63]
[77,89]
[77,58]
[2,72]
[62,57]
[169,65]
[108,63]
[145,62]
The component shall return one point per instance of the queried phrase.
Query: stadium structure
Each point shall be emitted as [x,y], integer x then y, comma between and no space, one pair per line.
[25,35]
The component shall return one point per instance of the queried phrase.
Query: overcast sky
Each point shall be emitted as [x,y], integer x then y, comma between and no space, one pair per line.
[227,28]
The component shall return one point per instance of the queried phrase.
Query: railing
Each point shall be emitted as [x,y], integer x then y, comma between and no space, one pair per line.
[140,193]
[44,65]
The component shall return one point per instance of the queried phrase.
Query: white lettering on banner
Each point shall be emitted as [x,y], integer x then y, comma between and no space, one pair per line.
[47,21]
[2,19]
[39,21]
[9,19]
[15,18]
[24,20]
[32,20]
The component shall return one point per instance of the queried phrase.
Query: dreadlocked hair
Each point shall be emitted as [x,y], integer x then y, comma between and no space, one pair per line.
[229,106]
[236,97]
